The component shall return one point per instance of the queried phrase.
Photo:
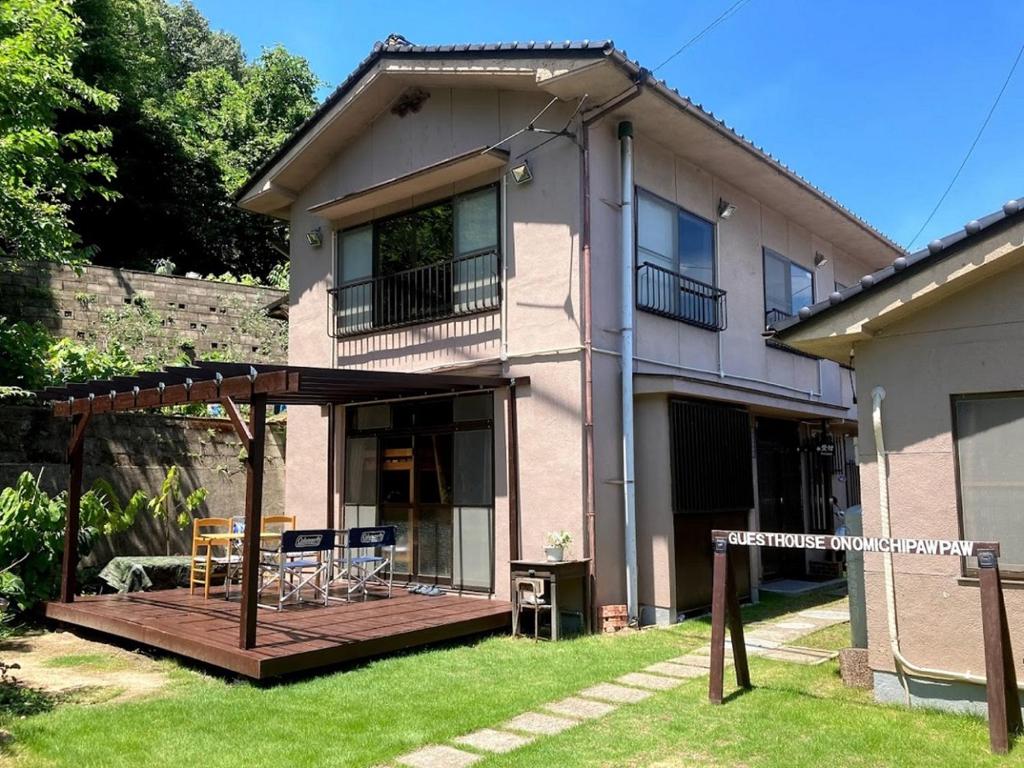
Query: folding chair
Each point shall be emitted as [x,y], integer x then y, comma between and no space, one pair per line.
[297,561]
[203,545]
[233,565]
[373,566]
[528,592]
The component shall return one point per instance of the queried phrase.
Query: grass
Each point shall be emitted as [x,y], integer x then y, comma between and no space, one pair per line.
[795,716]
[832,638]
[96,661]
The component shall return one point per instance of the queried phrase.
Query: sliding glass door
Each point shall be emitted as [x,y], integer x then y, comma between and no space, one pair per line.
[432,471]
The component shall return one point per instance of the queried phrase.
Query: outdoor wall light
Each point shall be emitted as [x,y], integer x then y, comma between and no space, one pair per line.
[725,208]
[315,238]
[820,260]
[521,174]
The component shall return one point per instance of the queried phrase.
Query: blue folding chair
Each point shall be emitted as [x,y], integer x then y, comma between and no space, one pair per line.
[369,554]
[301,559]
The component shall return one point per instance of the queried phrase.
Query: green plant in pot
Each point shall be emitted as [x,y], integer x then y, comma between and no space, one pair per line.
[558,545]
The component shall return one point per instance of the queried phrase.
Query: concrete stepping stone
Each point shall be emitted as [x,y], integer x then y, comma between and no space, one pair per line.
[438,756]
[675,670]
[798,655]
[617,694]
[583,709]
[801,625]
[650,682]
[699,659]
[490,740]
[826,614]
[539,724]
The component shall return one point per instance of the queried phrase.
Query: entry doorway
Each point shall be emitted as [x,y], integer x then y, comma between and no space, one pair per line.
[416,498]
[780,493]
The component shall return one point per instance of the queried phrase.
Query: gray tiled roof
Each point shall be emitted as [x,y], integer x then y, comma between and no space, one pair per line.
[904,266]
[397,47]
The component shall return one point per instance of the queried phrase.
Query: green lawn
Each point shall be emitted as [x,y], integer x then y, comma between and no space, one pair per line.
[363,717]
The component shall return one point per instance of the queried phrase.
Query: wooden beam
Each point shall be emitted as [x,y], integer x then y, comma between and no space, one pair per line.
[512,428]
[253,521]
[207,391]
[331,438]
[236,421]
[1004,717]
[725,606]
[69,565]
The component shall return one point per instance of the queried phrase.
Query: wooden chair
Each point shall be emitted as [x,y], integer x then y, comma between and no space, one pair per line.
[278,523]
[203,558]
[529,593]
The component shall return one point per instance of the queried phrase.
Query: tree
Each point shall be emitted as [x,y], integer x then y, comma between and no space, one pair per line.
[43,167]
[195,120]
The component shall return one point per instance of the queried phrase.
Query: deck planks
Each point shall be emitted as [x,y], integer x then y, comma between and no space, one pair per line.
[289,641]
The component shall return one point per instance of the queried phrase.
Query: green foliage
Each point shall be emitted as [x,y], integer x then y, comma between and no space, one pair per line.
[46,165]
[278,277]
[32,528]
[172,502]
[195,119]
[33,358]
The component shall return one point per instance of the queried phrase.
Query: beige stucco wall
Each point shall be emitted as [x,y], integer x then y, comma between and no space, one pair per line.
[971,342]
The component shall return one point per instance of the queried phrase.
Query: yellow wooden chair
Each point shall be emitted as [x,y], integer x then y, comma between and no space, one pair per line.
[203,545]
[278,523]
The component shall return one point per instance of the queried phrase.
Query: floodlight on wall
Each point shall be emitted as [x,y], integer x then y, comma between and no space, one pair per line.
[820,260]
[725,208]
[315,238]
[521,174]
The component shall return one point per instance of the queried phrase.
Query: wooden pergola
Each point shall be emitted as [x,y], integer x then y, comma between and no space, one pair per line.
[231,384]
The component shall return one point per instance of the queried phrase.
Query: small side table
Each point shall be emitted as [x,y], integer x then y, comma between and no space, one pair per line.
[568,586]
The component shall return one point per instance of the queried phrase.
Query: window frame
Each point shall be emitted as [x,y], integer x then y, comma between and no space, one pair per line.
[641,191]
[451,199]
[765,252]
[969,565]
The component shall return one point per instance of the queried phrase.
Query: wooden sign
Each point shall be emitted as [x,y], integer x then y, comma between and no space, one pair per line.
[1004,716]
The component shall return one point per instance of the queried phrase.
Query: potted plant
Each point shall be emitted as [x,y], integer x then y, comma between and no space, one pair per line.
[558,543]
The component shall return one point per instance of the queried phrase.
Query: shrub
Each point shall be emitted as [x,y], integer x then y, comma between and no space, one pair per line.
[32,529]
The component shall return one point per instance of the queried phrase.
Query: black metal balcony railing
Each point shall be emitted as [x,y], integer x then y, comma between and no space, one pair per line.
[462,286]
[671,294]
[773,316]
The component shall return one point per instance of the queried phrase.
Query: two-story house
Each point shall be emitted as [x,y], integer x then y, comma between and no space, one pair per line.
[552,213]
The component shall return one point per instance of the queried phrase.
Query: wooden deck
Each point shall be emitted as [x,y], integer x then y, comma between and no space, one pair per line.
[293,640]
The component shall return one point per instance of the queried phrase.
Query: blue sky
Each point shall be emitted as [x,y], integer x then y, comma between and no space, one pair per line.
[875,102]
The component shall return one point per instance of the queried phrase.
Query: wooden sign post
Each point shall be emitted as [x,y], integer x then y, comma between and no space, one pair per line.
[1004,716]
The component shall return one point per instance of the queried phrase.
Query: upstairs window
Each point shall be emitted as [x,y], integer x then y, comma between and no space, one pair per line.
[675,255]
[437,261]
[787,287]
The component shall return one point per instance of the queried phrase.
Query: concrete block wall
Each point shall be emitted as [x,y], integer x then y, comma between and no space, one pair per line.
[211,317]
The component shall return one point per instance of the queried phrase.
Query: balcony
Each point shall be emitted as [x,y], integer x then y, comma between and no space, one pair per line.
[463,286]
[670,294]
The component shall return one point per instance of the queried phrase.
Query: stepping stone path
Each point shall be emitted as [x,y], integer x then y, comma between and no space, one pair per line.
[771,640]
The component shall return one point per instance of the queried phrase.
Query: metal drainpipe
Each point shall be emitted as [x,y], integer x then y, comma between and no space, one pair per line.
[626,365]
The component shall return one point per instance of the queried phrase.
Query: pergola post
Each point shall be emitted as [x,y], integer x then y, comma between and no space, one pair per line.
[253,519]
[69,566]
[512,428]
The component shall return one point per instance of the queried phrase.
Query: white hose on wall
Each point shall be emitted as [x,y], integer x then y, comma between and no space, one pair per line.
[903,666]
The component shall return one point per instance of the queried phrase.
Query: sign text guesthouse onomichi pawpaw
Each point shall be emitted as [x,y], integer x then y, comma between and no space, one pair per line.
[1004,714]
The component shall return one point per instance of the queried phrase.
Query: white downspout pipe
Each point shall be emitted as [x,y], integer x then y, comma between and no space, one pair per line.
[903,666]
[626,366]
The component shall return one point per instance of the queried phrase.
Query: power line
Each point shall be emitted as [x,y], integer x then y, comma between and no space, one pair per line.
[728,12]
[974,143]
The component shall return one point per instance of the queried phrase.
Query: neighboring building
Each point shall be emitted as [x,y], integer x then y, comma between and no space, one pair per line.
[420,244]
[942,333]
